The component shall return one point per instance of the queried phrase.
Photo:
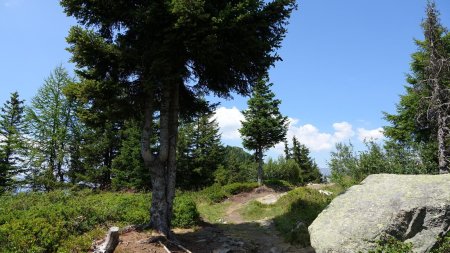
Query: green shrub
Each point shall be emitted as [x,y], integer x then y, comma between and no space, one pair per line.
[235,188]
[292,213]
[389,244]
[214,193]
[65,221]
[185,212]
[279,185]
[217,193]
[444,245]
[282,169]
[302,205]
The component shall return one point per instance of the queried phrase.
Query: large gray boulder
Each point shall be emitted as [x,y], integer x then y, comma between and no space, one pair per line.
[412,208]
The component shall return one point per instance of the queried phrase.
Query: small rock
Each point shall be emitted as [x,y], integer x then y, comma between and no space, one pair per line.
[266,223]
[299,225]
[327,193]
[275,250]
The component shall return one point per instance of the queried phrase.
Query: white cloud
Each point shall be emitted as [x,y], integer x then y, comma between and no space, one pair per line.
[229,122]
[344,131]
[374,134]
[316,140]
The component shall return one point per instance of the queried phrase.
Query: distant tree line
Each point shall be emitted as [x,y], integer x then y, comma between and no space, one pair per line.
[53,142]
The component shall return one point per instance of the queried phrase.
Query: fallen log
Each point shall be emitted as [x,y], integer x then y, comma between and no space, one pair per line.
[110,243]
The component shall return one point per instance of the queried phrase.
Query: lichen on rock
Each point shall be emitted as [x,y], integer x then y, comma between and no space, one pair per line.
[411,208]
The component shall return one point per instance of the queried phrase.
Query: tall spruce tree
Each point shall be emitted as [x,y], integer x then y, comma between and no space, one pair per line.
[136,56]
[12,142]
[264,125]
[50,118]
[415,126]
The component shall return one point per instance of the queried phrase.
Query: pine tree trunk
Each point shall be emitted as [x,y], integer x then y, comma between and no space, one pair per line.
[260,167]
[442,150]
[162,166]
[160,208]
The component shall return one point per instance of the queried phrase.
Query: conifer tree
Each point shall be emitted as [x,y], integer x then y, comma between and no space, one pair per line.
[12,142]
[264,125]
[200,151]
[423,110]
[50,118]
[438,81]
[100,147]
[238,166]
[128,169]
[135,56]
[309,171]
[287,151]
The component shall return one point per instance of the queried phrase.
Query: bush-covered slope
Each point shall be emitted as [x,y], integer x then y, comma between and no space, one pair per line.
[65,221]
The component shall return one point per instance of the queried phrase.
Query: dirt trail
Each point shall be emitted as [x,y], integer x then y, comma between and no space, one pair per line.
[262,233]
[234,235]
[263,194]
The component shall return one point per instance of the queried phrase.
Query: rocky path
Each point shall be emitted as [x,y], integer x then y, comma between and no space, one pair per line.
[233,235]
[262,194]
[261,234]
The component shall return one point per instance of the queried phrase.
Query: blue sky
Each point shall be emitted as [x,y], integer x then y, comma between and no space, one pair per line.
[344,62]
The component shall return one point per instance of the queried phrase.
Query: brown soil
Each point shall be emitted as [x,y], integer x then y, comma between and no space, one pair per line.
[235,235]
[232,214]
[199,240]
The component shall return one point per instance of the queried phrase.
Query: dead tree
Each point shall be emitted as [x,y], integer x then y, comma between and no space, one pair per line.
[438,82]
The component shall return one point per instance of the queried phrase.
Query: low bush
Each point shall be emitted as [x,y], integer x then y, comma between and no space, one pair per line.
[217,193]
[279,185]
[303,205]
[444,245]
[391,245]
[282,169]
[65,221]
[235,188]
[185,212]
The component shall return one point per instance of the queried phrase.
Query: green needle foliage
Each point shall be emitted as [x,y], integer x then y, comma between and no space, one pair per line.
[264,125]
[50,119]
[134,58]
[421,111]
[200,152]
[128,170]
[238,166]
[309,171]
[12,142]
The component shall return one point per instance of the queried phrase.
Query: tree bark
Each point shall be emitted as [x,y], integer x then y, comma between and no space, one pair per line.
[162,166]
[442,149]
[260,166]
